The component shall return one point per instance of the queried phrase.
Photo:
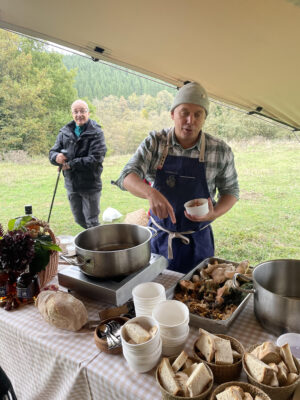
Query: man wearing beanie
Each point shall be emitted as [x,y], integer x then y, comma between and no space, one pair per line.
[183,163]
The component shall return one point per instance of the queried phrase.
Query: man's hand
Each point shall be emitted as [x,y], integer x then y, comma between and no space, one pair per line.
[66,166]
[210,216]
[60,158]
[223,205]
[160,205]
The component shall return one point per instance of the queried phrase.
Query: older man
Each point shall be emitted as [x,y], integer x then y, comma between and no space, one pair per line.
[183,163]
[83,140]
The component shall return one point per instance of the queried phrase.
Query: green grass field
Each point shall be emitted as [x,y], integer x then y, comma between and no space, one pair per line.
[263,225]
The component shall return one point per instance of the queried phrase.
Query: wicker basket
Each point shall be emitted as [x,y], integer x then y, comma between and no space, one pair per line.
[253,390]
[276,393]
[228,372]
[50,270]
[168,396]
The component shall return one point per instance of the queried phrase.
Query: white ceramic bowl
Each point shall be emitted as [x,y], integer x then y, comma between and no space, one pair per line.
[175,340]
[171,351]
[142,348]
[197,207]
[172,317]
[293,339]
[143,363]
[148,291]
[145,297]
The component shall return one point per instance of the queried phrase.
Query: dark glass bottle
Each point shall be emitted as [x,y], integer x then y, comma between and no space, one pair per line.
[3,285]
[28,213]
[27,287]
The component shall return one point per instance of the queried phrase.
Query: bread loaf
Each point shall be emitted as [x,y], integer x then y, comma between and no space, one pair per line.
[287,356]
[62,310]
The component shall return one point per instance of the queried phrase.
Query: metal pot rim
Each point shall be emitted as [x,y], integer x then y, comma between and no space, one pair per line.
[112,251]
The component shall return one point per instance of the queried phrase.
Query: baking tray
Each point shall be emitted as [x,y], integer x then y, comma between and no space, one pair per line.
[212,325]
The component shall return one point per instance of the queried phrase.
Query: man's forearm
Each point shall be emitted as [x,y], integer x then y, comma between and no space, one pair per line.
[135,185]
[224,204]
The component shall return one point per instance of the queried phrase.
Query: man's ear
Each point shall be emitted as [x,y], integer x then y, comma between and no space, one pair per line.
[172,114]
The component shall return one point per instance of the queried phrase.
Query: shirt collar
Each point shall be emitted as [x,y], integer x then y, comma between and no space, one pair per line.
[176,143]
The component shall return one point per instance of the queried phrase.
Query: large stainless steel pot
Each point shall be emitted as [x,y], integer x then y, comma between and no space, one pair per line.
[276,295]
[106,251]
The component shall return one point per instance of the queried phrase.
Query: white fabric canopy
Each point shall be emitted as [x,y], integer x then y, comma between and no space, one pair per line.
[244,52]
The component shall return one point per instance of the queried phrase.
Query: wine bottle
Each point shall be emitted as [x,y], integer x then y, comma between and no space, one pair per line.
[27,287]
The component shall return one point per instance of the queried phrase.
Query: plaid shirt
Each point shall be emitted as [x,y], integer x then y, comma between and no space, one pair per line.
[219,161]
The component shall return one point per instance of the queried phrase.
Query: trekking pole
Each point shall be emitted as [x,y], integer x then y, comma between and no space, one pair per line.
[64,152]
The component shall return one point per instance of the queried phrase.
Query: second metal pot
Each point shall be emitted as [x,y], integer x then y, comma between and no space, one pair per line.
[276,295]
[107,251]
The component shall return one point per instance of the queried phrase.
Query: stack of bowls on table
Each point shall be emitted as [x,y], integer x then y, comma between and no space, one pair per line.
[144,356]
[146,296]
[172,317]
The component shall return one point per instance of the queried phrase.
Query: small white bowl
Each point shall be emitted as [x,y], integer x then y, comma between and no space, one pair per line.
[197,207]
[293,339]
[148,291]
[142,363]
[172,317]
[142,348]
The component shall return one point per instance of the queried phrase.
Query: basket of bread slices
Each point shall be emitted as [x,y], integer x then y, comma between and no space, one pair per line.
[238,391]
[273,369]
[184,377]
[222,353]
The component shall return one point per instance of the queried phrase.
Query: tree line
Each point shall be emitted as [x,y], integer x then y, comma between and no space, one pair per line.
[37,87]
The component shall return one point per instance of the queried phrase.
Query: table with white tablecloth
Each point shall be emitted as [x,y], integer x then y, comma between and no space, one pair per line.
[46,363]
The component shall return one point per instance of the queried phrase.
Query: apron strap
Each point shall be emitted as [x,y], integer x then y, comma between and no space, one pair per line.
[171,236]
[202,148]
[165,151]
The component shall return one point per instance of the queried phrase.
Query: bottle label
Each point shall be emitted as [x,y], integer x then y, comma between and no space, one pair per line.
[3,291]
[25,293]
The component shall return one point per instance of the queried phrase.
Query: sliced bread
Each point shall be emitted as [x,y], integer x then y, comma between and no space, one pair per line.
[167,377]
[198,380]
[137,333]
[287,356]
[205,344]
[180,360]
[223,351]
[258,369]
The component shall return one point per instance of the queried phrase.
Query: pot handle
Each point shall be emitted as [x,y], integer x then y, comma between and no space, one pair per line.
[70,260]
[245,278]
[154,233]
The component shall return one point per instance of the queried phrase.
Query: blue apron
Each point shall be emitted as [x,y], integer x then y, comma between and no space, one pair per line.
[181,179]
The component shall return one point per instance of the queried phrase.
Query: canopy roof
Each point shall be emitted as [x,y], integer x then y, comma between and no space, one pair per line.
[244,52]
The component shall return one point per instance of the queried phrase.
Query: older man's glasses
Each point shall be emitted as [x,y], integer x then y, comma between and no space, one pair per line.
[81,111]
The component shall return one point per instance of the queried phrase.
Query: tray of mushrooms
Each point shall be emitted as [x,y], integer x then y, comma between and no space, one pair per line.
[209,293]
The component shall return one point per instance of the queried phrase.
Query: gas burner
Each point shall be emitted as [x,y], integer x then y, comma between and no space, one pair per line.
[113,291]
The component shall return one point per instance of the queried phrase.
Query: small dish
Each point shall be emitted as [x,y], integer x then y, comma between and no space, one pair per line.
[197,207]
[293,339]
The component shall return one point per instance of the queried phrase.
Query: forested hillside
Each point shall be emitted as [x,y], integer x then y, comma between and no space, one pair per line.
[38,86]
[96,80]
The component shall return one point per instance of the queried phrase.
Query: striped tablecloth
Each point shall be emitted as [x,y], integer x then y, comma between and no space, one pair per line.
[45,363]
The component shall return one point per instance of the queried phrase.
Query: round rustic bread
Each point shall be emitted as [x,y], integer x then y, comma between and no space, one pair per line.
[62,310]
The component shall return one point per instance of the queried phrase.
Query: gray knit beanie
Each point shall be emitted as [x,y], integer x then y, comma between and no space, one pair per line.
[192,93]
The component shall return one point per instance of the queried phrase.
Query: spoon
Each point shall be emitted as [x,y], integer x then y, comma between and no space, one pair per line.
[112,341]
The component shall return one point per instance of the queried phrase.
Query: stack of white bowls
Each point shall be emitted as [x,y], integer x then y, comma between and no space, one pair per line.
[146,296]
[144,356]
[172,317]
